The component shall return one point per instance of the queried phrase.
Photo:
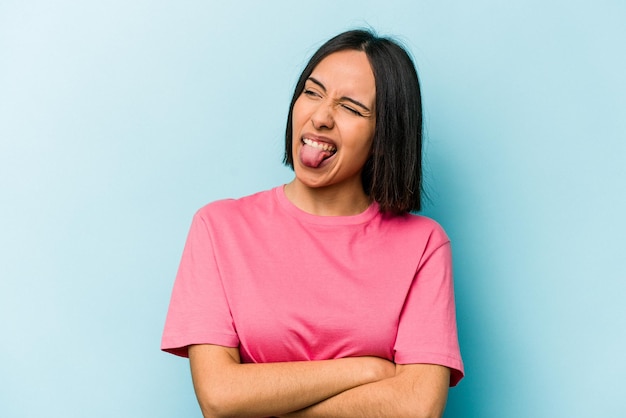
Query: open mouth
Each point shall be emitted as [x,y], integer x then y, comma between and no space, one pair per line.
[313,153]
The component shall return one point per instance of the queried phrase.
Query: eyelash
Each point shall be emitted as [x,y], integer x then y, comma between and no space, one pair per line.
[351,110]
[312,93]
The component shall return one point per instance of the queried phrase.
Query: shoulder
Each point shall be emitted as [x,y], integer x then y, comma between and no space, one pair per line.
[415,234]
[238,216]
[228,208]
[413,224]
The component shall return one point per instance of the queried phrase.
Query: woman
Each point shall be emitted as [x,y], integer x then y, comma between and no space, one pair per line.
[325,297]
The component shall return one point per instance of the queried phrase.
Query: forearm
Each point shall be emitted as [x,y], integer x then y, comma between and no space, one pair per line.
[225,387]
[417,395]
[271,389]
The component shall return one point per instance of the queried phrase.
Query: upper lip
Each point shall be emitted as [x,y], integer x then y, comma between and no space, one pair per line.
[318,138]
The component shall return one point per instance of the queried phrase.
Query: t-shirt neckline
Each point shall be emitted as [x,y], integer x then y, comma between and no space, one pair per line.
[363,217]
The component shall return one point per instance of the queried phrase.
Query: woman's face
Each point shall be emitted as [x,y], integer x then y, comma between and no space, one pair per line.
[334,120]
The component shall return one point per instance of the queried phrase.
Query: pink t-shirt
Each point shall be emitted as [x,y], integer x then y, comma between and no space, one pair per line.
[284,285]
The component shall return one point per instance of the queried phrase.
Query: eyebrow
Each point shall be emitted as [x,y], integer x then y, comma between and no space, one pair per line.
[356,102]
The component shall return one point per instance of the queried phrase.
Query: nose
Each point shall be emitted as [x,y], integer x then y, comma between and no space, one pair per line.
[322,117]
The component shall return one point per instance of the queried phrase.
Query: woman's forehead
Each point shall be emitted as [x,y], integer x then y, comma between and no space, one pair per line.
[348,71]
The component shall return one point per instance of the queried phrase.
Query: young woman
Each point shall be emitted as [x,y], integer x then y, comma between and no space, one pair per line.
[325,296]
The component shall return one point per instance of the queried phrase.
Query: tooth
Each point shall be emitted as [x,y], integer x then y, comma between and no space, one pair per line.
[319,145]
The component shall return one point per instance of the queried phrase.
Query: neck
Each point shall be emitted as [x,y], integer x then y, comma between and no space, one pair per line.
[327,201]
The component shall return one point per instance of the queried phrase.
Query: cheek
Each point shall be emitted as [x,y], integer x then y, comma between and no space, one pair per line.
[298,114]
[366,139]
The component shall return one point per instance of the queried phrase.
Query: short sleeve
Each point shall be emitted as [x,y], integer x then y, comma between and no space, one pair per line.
[427,331]
[198,312]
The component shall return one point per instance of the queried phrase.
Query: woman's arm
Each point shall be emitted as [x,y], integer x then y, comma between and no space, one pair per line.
[224,387]
[417,391]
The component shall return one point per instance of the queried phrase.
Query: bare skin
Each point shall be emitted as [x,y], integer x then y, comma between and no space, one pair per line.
[350,387]
[225,387]
[326,112]
[417,390]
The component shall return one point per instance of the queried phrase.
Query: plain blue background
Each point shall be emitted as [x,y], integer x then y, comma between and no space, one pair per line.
[119,119]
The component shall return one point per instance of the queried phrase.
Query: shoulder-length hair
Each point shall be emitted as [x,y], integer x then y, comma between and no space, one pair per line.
[392,176]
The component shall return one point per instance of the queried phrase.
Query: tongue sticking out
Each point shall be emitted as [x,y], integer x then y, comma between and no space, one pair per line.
[313,156]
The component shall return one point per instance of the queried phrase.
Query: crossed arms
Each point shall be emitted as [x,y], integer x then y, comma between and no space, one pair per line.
[348,387]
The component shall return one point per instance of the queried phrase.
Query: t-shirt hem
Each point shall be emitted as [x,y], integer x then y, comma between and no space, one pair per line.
[178,345]
[455,364]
